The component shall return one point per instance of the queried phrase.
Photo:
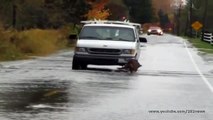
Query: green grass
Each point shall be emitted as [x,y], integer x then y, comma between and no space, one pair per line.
[201,45]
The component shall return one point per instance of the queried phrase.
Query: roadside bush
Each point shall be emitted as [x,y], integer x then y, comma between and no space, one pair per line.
[39,42]
[21,44]
[8,51]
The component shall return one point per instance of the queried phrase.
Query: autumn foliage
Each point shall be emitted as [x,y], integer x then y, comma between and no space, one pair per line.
[98,10]
[165,5]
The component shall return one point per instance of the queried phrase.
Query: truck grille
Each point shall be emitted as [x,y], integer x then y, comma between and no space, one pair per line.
[104,51]
[154,31]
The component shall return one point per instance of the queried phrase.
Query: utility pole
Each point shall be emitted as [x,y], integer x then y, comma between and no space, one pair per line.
[14,19]
[190,18]
[204,16]
[179,17]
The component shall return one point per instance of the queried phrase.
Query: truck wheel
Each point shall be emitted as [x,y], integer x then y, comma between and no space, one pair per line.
[83,66]
[75,64]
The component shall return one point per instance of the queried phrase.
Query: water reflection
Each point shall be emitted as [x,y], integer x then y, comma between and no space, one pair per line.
[47,98]
[22,97]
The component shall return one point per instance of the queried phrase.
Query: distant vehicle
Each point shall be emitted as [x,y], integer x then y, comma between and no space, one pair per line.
[107,43]
[155,30]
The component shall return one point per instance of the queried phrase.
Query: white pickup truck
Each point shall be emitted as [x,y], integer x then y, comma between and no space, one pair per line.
[106,43]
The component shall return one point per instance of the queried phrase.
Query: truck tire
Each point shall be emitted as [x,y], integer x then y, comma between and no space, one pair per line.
[83,66]
[75,64]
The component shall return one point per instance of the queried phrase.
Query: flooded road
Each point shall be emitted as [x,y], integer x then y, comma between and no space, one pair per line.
[174,83]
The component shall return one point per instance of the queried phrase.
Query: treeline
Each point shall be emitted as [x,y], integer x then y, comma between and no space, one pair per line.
[40,27]
[25,14]
[37,27]
[140,11]
[194,10]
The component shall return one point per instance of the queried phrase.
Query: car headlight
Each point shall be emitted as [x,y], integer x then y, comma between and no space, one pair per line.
[149,30]
[80,49]
[159,31]
[129,51]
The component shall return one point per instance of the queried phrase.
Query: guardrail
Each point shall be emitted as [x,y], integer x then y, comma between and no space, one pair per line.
[208,37]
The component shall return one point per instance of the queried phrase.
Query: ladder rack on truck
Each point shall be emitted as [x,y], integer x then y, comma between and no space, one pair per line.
[126,22]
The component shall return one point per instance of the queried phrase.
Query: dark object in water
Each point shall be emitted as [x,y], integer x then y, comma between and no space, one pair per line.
[132,66]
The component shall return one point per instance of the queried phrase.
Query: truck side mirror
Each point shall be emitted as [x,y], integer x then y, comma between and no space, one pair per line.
[143,40]
[72,37]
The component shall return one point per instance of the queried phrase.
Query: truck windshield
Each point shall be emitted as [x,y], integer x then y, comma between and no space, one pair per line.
[107,33]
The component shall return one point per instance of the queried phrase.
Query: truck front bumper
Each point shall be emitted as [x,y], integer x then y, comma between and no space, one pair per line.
[102,59]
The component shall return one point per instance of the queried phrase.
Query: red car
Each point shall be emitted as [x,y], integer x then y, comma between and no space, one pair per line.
[155,30]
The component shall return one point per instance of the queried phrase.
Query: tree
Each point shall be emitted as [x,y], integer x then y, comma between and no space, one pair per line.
[164,5]
[98,10]
[205,15]
[41,13]
[22,13]
[6,12]
[117,11]
[140,11]
[164,19]
[66,11]
[31,14]
[200,11]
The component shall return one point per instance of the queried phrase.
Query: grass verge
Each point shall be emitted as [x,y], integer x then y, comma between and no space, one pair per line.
[201,45]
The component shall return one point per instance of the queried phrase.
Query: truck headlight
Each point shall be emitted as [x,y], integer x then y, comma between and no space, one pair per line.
[80,49]
[129,51]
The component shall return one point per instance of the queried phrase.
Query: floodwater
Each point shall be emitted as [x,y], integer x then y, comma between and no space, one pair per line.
[174,82]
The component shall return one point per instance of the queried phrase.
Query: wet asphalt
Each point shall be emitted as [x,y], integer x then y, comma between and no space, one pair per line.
[174,83]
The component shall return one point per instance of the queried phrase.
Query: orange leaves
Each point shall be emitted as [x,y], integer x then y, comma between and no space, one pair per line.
[98,10]
[96,14]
